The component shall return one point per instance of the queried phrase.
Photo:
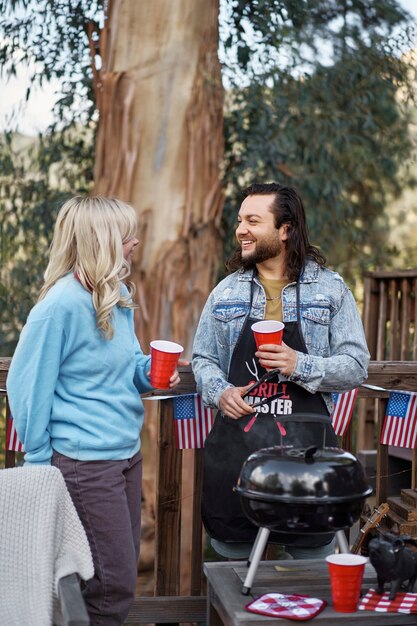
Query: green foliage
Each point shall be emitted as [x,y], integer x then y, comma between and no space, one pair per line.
[335,125]
[54,40]
[34,181]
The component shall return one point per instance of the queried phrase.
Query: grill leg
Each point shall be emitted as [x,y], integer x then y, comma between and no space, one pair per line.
[342,542]
[254,558]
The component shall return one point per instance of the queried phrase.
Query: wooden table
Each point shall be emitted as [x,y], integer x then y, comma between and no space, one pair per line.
[225,602]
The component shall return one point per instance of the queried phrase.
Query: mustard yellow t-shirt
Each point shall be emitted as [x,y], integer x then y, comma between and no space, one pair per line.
[273,291]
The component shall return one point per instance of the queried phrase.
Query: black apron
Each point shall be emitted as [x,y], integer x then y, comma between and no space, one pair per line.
[231,441]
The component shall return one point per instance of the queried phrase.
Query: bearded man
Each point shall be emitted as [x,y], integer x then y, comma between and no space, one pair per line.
[277,274]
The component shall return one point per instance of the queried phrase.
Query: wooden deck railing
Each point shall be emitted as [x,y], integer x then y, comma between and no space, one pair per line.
[167,606]
[389,320]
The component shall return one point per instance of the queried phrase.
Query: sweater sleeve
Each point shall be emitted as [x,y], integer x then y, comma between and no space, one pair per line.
[31,384]
[142,361]
[143,367]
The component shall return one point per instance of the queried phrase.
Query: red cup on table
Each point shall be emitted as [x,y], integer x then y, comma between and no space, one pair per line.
[164,359]
[268,331]
[346,574]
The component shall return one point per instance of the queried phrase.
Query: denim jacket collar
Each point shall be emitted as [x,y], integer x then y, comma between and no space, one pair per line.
[310,273]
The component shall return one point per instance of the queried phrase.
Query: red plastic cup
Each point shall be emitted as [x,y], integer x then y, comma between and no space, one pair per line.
[346,573]
[268,331]
[164,359]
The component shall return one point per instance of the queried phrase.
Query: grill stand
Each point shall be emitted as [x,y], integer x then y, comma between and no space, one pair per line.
[259,546]
[254,558]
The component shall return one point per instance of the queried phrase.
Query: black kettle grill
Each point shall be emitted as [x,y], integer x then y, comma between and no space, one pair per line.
[300,493]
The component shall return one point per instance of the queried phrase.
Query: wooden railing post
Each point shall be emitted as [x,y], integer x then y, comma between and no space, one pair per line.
[9,455]
[414,470]
[381,490]
[168,505]
[197,530]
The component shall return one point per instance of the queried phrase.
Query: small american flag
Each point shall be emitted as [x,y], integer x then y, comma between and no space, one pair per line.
[193,421]
[344,403]
[400,424]
[12,440]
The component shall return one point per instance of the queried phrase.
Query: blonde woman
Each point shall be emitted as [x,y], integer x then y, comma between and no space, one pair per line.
[74,386]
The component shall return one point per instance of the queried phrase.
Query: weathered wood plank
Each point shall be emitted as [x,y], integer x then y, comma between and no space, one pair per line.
[370,313]
[405,319]
[414,469]
[9,455]
[197,534]
[391,274]
[4,368]
[382,322]
[394,347]
[401,375]
[168,506]
[382,459]
[167,609]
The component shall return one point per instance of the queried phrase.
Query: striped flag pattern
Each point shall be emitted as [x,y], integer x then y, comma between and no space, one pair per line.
[193,421]
[400,424]
[12,440]
[344,403]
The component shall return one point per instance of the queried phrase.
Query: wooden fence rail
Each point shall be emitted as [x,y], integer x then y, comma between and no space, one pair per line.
[167,606]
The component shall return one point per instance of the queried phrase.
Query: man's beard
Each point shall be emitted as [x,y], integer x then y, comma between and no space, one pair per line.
[263,252]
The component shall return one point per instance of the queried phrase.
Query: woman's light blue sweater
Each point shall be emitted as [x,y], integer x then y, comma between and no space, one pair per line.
[70,389]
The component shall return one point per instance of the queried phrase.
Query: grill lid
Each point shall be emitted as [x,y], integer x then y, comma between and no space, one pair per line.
[288,474]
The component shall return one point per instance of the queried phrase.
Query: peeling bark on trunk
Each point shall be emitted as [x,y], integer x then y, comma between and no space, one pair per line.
[159,147]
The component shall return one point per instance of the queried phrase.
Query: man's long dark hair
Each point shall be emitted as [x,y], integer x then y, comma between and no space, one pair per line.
[287,208]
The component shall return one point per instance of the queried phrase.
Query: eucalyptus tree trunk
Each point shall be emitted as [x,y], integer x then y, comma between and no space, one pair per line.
[159,147]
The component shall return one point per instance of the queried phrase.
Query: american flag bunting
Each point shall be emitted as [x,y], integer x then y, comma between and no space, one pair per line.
[12,440]
[400,424]
[344,403]
[193,421]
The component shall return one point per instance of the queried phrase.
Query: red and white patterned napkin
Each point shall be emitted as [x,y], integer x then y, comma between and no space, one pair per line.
[402,603]
[288,606]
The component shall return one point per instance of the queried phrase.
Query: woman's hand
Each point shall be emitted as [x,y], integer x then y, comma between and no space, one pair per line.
[175,378]
[232,404]
[281,357]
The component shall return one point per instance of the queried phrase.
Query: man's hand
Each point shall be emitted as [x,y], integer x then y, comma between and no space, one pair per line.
[282,357]
[231,403]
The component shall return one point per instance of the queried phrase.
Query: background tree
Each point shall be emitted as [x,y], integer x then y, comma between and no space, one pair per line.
[159,146]
[325,106]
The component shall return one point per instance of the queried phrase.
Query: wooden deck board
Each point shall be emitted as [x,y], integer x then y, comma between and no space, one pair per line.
[167,609]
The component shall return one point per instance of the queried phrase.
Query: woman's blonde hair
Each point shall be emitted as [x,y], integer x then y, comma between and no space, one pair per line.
[88,240]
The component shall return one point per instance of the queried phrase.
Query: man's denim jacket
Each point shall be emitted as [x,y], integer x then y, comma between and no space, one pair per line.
[337,355]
